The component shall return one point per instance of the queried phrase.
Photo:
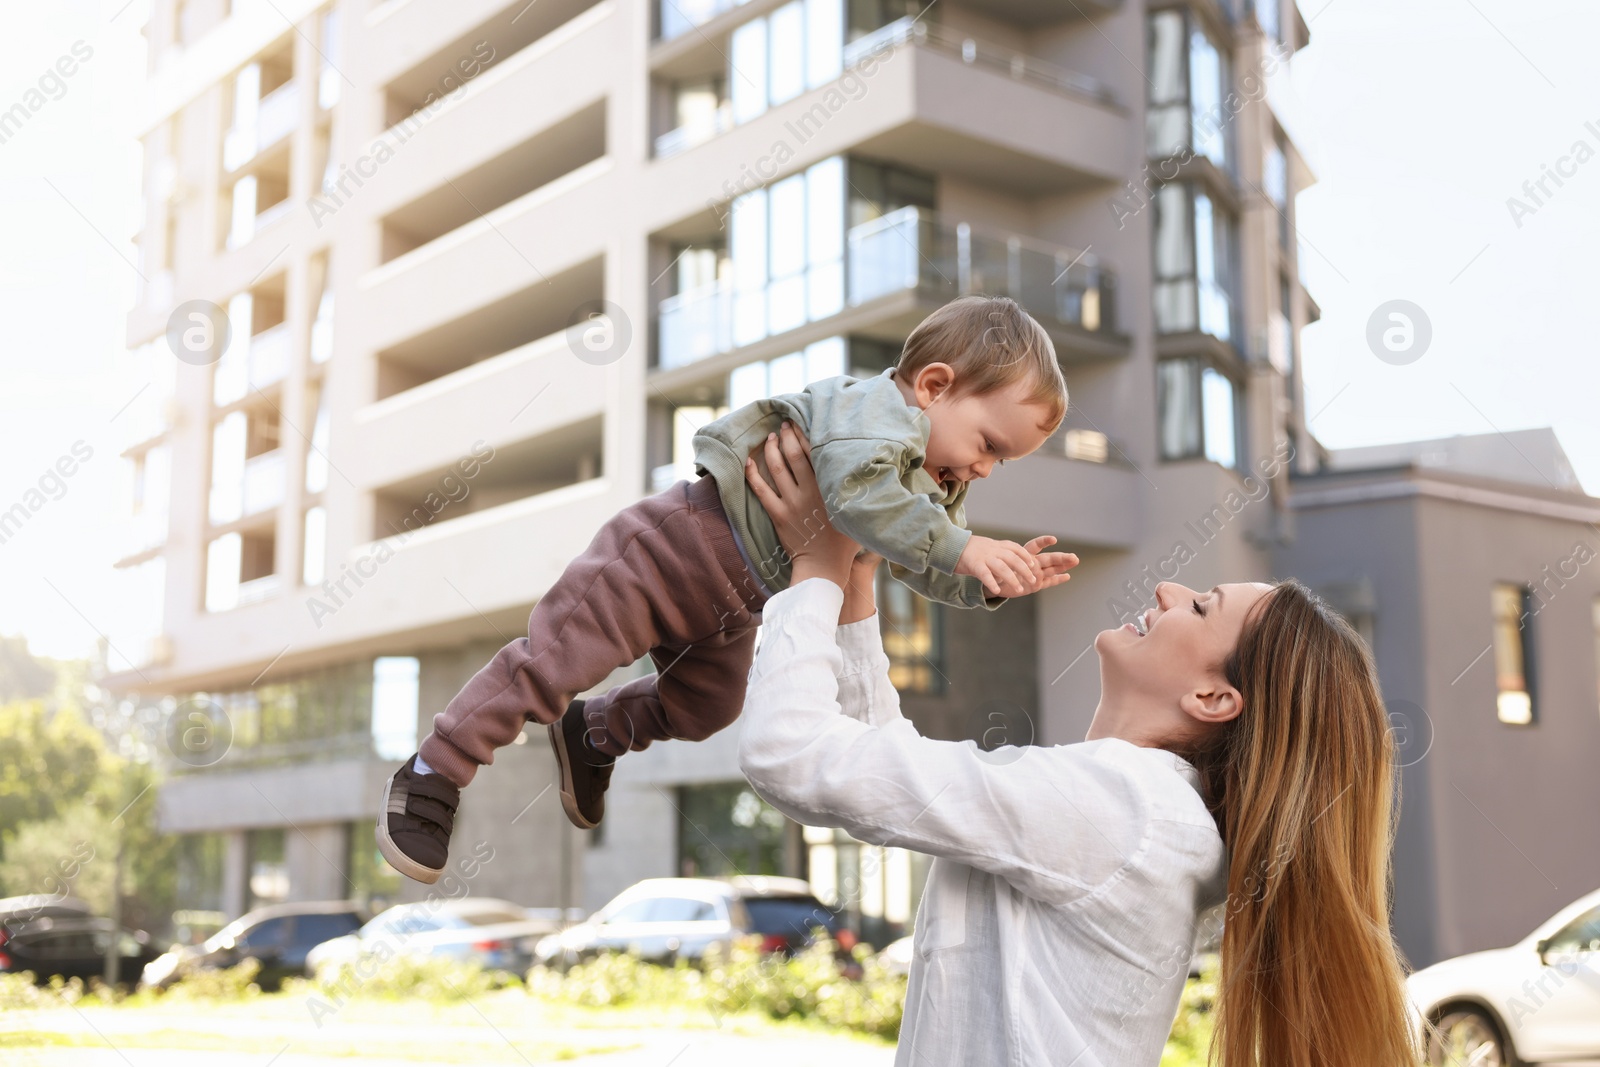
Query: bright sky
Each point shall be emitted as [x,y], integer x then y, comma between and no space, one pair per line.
[1421,119]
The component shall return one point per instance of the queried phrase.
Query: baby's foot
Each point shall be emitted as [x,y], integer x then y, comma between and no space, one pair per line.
[585,773]
[414,823]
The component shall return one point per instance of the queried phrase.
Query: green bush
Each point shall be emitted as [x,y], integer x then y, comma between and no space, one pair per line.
[212,983]
[1189,1044]
[431,978]
[807,985]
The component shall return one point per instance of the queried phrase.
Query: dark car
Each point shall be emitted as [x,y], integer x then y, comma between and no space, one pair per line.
[72,946]
[665,919]
[277,936]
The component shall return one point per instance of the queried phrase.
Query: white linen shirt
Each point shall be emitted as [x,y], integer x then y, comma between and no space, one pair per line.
[1059,912]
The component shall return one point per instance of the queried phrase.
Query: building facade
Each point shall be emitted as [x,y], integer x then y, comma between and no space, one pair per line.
[437,287]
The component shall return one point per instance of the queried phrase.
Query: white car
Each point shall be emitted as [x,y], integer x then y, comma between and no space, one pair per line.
[498,934]
[1535,1002]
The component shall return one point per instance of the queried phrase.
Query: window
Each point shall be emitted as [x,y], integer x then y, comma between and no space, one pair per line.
[1267,17]
[1194,262]
[1189,78]
[199,871]
[636,912]
[264,935]
[774,59]
[913,637]
[1275,183]
[1280,339]
[268,871]
[312,930]
[787,246]
[682,910]
[1512,654]
[724,829]
[787,374]
[394,706]
[372,880]
[1580,935]
[1198,412]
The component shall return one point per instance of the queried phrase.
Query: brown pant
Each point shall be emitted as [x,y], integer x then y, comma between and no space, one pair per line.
[663,576]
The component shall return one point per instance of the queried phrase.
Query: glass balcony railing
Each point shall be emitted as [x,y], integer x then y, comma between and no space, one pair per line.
[678,17]
[915,249]
[972,51]
[264,479]
[258,488]
[912,250]
[276,116]
[712,124]
[696,324]
[262,361]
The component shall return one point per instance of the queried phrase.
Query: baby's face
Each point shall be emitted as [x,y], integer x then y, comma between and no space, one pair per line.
[968,434]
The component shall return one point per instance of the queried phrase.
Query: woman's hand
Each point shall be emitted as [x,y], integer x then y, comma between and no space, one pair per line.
[794,503]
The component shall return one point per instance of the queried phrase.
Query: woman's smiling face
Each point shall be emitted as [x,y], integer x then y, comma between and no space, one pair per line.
[1162,675]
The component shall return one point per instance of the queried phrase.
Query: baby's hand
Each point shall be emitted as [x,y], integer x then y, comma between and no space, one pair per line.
[1053,566]
[1004,567]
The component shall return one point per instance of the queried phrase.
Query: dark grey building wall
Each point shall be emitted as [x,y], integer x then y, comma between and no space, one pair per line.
[991,666]
[1375,545]
[1497,827]
[1518,837]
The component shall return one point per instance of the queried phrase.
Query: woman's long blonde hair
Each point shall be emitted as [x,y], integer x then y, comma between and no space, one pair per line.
[1303,787]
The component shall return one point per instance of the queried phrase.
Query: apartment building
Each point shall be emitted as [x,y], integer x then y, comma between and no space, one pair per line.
[449,283]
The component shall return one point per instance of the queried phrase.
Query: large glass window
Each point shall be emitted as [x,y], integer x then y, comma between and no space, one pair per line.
[1198,412]
[394,706]
[724,829]
[913,637]
[1194,253]
[267,866]
[1514,703]
[1275,183]
[774,59]
[1189,79]
[787,246]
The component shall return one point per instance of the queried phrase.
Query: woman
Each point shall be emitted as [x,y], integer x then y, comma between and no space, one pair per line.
[1239,753]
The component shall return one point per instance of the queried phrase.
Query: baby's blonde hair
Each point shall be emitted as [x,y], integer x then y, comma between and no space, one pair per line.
[990,341]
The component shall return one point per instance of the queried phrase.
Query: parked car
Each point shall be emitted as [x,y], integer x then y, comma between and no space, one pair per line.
[279,936]
[665,919]
[72,946]
[1537,1001]
[498,934]
[25,909]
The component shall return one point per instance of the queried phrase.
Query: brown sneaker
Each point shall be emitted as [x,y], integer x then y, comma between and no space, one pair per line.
[414,822]
[585,773]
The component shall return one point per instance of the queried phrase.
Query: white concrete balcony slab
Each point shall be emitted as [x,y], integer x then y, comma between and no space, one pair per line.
[514,247]
[1086,505]
[516,395]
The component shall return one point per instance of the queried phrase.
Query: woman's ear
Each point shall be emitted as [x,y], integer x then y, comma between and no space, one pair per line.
[932,382]
[1216,702]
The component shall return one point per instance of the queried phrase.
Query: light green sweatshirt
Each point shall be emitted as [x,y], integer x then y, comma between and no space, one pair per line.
[867,447]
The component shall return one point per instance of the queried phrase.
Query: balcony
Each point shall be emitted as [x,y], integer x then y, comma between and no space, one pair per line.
[912,249]
[678,17]
[252,363]
[717,121]
[274,117]
[971,51]
[913,253]
[259,489]
[524,393]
